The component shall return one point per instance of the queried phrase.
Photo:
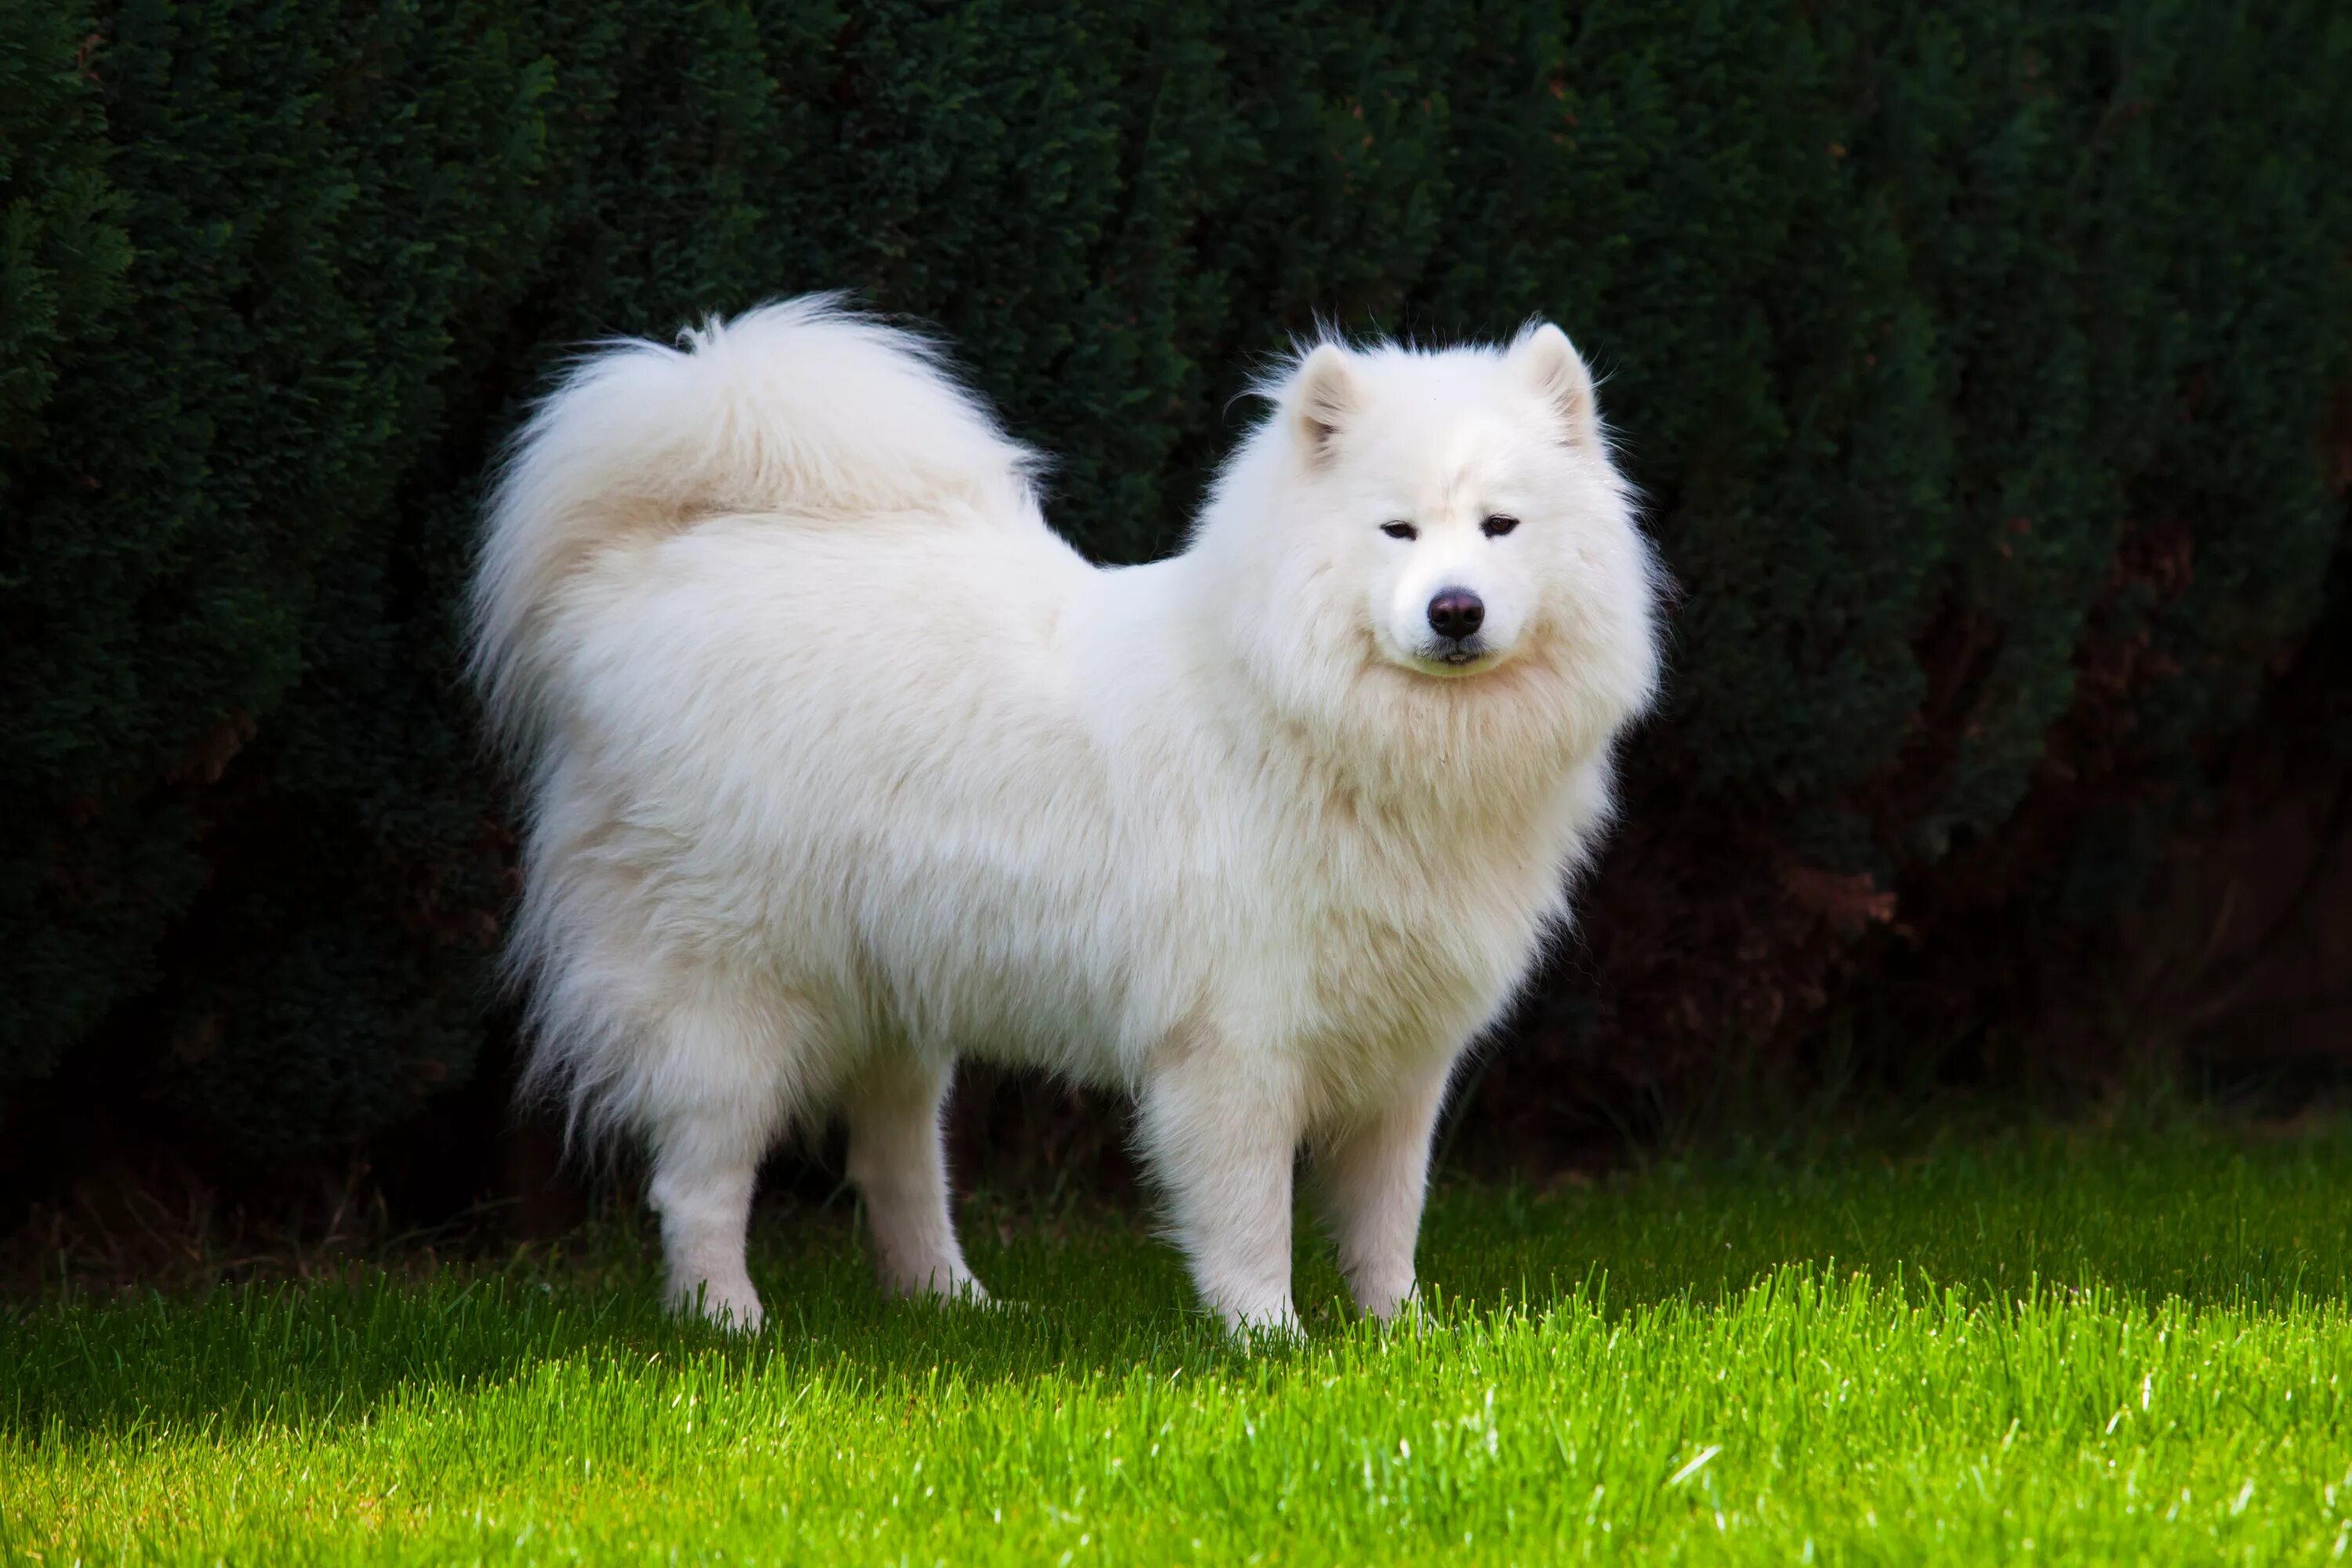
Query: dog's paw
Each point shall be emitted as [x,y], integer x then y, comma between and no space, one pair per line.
[1391,1303]
[1409,1315]
[733,1306]
[1270,1327]
[942,1284]
[963,1292]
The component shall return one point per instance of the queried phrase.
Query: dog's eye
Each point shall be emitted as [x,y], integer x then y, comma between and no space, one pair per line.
[1400,530]
[1498,525]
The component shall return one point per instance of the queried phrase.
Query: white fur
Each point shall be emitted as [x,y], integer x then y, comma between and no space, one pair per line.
[841,764]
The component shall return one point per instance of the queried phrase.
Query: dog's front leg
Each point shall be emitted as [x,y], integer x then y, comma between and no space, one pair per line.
[1220,1130]
[1372,1176]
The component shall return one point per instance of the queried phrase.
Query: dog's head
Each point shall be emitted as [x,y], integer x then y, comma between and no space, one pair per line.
[1447,528]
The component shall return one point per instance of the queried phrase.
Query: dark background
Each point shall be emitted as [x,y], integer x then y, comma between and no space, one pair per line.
[1987,367]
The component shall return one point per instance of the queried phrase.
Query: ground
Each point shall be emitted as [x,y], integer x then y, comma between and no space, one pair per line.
[2077,1346]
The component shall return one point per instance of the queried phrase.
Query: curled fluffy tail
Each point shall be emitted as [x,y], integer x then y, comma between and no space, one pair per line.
[800,407]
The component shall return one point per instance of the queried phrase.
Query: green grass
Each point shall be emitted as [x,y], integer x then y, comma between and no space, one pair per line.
[2081,1348]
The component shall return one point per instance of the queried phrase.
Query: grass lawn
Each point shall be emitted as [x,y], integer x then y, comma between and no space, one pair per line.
[2076,1347]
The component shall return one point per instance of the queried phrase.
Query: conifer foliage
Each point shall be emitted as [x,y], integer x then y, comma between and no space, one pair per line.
[1974,359]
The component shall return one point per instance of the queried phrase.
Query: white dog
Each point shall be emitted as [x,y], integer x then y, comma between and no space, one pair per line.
[841,764]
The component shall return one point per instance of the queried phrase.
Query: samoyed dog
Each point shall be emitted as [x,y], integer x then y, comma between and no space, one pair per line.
[841,765]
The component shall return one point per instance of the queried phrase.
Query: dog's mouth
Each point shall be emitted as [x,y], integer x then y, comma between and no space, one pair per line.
[1455,656]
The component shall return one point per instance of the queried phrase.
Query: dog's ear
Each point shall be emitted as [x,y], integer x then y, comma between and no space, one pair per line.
[1545,357]
[1323,400]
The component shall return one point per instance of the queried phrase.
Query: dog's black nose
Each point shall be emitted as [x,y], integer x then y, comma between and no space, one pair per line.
[1455,613]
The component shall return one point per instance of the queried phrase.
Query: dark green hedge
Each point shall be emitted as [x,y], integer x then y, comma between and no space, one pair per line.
[1974,357]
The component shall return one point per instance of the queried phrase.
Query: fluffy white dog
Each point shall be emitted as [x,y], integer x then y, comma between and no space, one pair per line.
[841,764]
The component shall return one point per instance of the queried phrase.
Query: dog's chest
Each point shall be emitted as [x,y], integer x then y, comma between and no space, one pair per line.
[1415,966]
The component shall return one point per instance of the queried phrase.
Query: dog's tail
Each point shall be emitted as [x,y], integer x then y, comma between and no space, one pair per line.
[801,408]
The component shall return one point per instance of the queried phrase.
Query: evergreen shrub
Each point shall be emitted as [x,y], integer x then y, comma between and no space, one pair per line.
[1974,360]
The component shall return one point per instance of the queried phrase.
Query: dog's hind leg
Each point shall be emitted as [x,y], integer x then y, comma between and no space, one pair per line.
[1371,1178]
[713,1092]
[901,1169]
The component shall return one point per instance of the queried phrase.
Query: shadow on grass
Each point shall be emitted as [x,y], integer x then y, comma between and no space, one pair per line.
[2191,1215]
